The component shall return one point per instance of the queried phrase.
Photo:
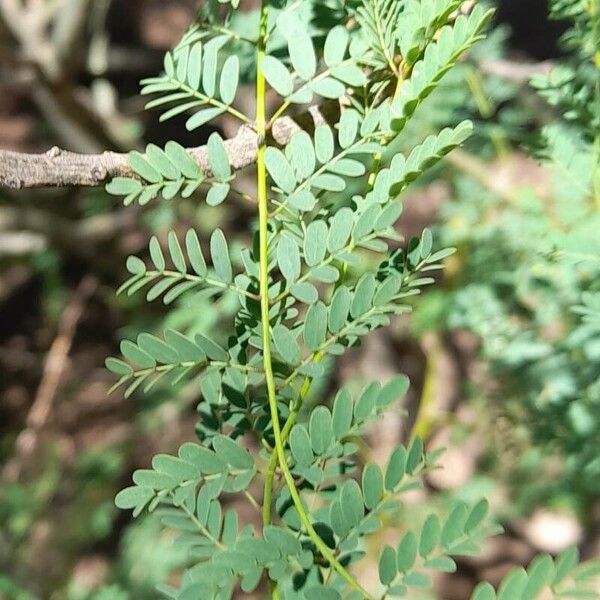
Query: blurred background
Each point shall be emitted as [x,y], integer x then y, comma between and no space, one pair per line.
[503,352]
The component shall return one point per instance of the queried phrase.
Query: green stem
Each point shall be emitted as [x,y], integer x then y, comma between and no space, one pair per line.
[290,422]
[379,156]
[263,216]
[212,101]
[192,517]
[424,420]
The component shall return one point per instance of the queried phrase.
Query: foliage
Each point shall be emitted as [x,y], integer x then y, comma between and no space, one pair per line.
[561,577]
[527,268]
[573,86]
[325,203]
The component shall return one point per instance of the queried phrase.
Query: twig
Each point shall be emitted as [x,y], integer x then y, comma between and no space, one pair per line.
[54,366]
[58,167]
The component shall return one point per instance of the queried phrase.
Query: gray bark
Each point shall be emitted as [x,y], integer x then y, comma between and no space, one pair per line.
[57,167]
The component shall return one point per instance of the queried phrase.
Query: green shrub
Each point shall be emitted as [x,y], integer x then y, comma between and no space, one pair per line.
[326,197]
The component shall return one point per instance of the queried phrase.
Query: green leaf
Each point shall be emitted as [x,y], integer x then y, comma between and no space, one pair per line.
[363,295]
[123,186]
[430,536]
[187,350]
[137,356]
[161,162]
[350,74]
[387,565]
[339,309]
[395,388]
[302,200]
[288,258]
[342,413]
[228,450]
[176,291]
[513,585]
[366,403]
[328,88]
[426,243]
[325,273]
[540,573]
[322,593]
[195,66]
[277,75]
[236,561]
[315,243]
[315,326]
[156,348]
[340,229]
[484,591]
[286,543]
[372,484]
[300,445]
[305,292]
[365,222]
[352,502]
[184,161]
[301,154]
[336,518]
[194,251]
[178,469]
[205,460]
[415,455]
[389,215]
[143,168]
[442,563]
[320,429]
[214,520]
[395,469]
[175,252]
[280,169]
[407,552]
[328,183]
[156,254]
[324,143]
[336,44]
[135,265]
[300,46]
[348,167]
[250,580]
[210,66]
[454,525]
[387,290]
[477,516]
[212,349]
[348,127]
[418,580]
[230,77]
[118,367]
[219,253]
[217,157]
[150,478]
[217,194]
[203,116]
[175,111]
[564,564]
[134,497]
[286,344]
